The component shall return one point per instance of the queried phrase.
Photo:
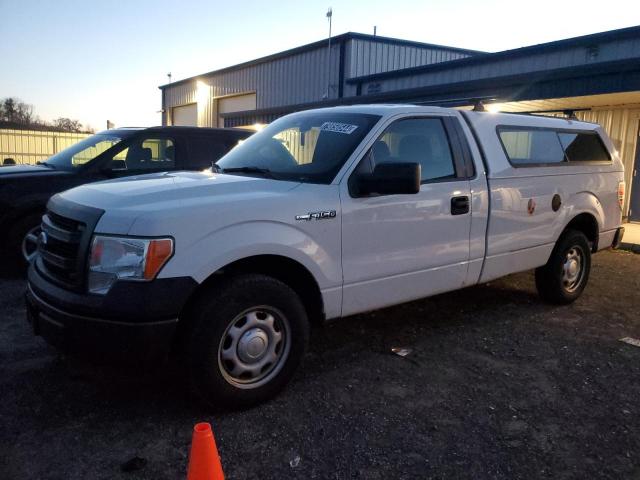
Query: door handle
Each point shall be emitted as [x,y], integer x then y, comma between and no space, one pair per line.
[459,205]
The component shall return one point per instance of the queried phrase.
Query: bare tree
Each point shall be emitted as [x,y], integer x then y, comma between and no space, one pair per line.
[67,124]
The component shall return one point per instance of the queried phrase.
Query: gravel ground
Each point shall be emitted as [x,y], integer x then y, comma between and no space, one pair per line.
[497,385]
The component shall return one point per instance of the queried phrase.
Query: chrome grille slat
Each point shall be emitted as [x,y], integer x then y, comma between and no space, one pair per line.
[59,233]
[59,254]
[57,260]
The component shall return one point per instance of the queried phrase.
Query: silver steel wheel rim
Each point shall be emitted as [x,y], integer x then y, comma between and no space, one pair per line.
[30,243]
[573,269]
[254,347]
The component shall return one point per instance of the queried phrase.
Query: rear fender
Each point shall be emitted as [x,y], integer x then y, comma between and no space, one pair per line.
[579,203]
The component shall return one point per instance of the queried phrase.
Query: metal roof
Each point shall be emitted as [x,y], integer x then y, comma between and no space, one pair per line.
[166,129]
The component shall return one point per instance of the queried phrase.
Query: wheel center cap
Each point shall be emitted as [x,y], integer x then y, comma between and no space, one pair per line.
[253,345]
[573,268]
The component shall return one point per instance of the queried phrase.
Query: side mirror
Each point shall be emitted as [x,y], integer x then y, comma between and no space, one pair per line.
[389,179]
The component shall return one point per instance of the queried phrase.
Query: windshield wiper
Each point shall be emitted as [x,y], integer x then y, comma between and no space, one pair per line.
[263,171]
[45,164]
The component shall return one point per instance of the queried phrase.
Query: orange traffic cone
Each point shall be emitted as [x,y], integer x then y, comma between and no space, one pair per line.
[204,461]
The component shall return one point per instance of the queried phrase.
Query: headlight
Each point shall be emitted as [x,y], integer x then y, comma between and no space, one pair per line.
[114,258]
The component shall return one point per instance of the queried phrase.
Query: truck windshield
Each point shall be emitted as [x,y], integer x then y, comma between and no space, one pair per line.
[83,151]
[307,147]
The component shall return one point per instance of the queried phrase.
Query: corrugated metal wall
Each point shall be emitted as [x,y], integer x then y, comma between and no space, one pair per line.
[367,57]
[620,49]
[30,146]
[290,80]
[621,124]
[301,77]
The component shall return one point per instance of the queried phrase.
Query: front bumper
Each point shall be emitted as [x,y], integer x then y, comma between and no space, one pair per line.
[133,322]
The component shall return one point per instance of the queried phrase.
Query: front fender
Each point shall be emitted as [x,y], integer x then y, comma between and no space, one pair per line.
[318,250]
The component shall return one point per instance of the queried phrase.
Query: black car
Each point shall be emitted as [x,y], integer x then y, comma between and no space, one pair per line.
[25,189]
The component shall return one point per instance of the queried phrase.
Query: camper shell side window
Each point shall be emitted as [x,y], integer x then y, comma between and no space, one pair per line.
[540,146]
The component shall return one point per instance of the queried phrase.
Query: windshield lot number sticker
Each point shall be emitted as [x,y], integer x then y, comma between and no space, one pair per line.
[336,127]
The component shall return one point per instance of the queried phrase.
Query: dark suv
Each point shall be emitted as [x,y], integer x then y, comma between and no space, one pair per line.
[25,189]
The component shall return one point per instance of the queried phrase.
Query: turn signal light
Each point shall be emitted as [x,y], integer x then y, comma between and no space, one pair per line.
[158,253]
[621,188]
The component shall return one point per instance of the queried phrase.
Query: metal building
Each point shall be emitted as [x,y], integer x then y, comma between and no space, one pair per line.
[276,84]
[594,77]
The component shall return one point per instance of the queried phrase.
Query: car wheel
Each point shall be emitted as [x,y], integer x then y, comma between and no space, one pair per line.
[23,239]
[565,276]
[248,338]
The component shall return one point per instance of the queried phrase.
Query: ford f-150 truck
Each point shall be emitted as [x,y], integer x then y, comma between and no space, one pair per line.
[323,214]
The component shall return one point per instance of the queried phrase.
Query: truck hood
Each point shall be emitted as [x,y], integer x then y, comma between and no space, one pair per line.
[165,195]
[159,191]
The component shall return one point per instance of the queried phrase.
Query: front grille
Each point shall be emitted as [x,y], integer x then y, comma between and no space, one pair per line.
[65,242]
[60,248]
[64,222]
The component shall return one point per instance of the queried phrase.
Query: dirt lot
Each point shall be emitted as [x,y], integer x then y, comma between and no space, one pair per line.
[498,385]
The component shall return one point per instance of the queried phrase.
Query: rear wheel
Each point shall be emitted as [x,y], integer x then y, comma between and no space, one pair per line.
[565,276]
[248,338]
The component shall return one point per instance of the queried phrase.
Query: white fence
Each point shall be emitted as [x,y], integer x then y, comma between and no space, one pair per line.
[31,146]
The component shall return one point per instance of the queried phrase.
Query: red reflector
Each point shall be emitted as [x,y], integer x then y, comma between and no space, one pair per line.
[621,189]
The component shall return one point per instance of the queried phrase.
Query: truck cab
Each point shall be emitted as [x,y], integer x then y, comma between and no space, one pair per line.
[321,215]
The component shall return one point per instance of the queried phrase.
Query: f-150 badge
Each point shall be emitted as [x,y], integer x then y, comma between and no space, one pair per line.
[317,215]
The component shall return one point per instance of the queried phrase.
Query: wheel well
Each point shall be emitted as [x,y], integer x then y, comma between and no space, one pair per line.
[288,271]
[16,216]
[587,224]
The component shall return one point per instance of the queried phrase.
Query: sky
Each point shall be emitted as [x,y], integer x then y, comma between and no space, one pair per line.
[95,61]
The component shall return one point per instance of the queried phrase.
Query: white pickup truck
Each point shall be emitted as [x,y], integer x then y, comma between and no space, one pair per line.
[323,214]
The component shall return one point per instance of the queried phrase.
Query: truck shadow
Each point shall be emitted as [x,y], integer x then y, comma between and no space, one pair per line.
[68,388]
[472,307]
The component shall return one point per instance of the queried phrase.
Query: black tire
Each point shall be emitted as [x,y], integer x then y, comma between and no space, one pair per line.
[16,236]
[219,328]
[556,282]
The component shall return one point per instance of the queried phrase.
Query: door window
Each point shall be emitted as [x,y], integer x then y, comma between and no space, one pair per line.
[414,140]
[153,154]
[204,151]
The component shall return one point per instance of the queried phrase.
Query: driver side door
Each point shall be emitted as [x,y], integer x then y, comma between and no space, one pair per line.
[397,248]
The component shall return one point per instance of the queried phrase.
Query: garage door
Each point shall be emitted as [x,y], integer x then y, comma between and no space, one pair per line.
[185,115]
[236,103]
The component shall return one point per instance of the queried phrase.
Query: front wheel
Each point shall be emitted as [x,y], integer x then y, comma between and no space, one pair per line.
[22,239]
[565,276]
[248,337]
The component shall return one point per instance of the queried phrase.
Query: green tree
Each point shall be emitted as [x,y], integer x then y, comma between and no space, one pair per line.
[15,110]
